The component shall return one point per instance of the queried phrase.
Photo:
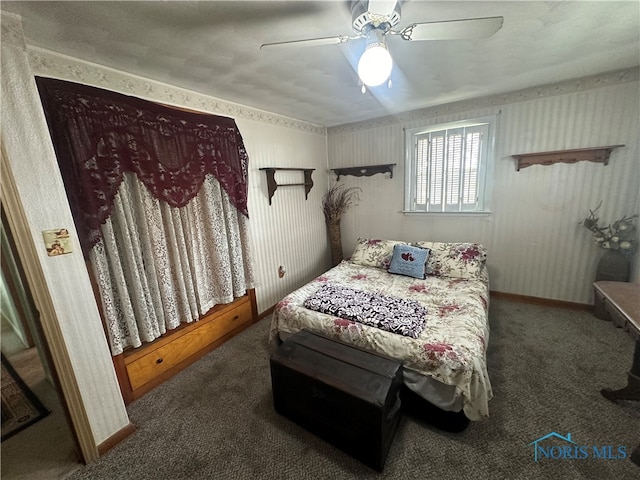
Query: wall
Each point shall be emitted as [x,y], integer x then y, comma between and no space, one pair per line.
[290,232]
[32,184]
[536,245]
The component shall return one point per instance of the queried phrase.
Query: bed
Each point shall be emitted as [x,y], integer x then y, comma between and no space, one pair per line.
[439,328]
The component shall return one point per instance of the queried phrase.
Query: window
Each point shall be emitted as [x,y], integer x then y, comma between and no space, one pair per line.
[447,167]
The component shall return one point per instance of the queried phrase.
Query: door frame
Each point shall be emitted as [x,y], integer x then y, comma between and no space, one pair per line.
[48,322]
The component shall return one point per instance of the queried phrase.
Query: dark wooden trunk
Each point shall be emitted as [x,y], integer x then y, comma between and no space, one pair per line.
[344,395]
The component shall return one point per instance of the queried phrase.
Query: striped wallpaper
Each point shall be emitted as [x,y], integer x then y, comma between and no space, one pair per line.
[536,245]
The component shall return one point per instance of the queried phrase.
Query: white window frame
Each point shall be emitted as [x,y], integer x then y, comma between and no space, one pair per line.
[487,126]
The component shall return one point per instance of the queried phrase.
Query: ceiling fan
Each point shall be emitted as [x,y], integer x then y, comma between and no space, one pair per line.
[374,20]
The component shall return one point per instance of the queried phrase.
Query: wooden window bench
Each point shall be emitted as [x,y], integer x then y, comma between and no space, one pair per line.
[139,370]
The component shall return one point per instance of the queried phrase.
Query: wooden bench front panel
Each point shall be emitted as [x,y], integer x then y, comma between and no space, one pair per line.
[142,369]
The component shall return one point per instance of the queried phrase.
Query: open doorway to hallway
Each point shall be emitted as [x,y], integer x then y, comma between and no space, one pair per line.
[45,449]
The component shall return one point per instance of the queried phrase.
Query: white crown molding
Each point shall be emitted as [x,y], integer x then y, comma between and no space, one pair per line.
[12,30]
[561,88]
[51,64]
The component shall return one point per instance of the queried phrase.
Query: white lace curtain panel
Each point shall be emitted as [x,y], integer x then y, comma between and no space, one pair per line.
[159,198]
[158,266]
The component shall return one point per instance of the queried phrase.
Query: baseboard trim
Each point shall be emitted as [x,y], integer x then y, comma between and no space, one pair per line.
[546,302]
[115,439]
[266,313]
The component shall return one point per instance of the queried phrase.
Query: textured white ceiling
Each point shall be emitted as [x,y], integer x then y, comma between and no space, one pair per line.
[213,47]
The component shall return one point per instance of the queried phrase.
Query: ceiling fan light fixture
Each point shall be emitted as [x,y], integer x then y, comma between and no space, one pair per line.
[375,64]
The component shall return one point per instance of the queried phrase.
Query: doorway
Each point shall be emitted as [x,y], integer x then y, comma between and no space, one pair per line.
[43,446]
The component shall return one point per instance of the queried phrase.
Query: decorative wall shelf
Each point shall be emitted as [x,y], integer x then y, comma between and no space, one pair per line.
[593,154]
[365,171]
[272,184]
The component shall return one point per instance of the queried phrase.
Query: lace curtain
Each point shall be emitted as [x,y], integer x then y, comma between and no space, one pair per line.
[159,200]
[99,135]
[181,262]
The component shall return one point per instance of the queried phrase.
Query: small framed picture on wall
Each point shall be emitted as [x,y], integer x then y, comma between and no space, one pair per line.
[57,242]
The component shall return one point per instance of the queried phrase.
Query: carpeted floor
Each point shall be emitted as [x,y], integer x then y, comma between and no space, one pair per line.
[45,450]
[216,421]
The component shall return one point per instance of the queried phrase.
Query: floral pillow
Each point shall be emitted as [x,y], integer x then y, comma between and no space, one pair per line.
[457,260]
[374,253]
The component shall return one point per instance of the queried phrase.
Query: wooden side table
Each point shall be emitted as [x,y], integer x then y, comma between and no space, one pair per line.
[620,303]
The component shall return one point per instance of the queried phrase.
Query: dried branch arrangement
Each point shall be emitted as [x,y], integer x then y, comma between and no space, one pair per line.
[619,235]
[338,200]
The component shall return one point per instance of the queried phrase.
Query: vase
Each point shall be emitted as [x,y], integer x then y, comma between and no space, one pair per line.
[335,241]
[613,267]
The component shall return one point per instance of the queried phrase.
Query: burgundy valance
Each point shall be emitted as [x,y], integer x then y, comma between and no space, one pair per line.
[99,135]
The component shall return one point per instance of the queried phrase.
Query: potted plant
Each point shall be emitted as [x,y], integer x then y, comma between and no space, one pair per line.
[619,240]
[334,204]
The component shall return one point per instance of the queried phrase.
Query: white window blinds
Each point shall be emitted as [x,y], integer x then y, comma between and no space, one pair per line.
[448,168]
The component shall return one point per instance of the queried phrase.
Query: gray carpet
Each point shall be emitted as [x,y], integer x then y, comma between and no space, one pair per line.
[216,421]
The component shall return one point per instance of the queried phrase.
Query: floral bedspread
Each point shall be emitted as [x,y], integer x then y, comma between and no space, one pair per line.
[451,347]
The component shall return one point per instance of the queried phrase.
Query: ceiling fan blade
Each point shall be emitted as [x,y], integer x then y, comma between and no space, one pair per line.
[309,42]
[381,7]
[453,29]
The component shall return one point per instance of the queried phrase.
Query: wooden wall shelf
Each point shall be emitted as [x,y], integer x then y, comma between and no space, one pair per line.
[272,184]
[593,154]
[365,171]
